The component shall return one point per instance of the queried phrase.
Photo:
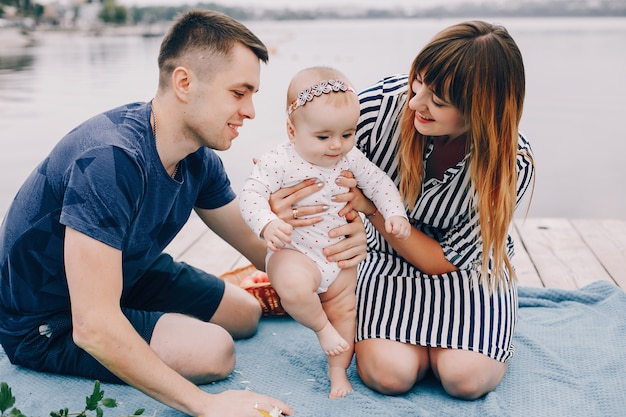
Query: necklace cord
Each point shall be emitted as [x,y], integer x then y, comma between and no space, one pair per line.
[154,133]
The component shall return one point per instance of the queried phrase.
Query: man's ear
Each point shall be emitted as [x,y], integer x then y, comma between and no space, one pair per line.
[181,82]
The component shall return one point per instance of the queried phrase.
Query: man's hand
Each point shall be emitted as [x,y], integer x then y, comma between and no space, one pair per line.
[244,403]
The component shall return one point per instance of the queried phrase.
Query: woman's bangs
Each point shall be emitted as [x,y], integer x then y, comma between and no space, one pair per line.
[437,71]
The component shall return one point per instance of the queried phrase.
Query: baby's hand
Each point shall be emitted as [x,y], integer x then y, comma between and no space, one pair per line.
[276,234]
[398,226]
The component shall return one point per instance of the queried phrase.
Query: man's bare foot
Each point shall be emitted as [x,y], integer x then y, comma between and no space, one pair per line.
[331,341]
[339,384]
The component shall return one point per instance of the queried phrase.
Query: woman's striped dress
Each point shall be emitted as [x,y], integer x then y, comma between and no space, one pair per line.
[394,299]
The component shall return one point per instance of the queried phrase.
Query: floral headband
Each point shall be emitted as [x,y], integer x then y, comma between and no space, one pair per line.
[316,90]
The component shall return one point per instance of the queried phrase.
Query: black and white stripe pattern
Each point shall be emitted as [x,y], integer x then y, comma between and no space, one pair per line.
[452,310]
[398,302]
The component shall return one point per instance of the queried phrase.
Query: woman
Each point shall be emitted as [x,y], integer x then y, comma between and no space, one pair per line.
[445,299]
[447,134]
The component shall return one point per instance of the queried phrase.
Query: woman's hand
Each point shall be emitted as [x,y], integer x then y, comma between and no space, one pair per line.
[350,251]
[282,203]
[354,199]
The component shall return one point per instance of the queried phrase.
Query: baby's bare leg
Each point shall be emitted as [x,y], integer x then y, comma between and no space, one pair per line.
[339,304]
[296,278]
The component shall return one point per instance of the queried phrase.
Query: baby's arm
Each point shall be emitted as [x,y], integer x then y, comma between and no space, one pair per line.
[378,187]
[277,234]
[398,226]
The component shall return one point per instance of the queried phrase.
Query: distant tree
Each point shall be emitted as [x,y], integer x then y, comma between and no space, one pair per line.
[113,13]
[25,8]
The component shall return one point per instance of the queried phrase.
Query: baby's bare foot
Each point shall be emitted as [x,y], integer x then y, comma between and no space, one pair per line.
[331,341]
[339,384]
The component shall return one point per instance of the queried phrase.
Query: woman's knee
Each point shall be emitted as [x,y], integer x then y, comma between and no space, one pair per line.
[388,367]
[464,386]
[467,375]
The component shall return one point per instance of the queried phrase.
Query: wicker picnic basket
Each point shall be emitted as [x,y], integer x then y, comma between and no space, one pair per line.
[263,292]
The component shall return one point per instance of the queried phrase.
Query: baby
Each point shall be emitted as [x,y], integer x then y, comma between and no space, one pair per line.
[322,114]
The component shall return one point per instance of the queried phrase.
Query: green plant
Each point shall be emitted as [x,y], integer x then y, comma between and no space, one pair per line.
[94,402]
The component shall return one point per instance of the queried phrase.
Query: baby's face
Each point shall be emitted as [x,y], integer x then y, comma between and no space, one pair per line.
[324,130]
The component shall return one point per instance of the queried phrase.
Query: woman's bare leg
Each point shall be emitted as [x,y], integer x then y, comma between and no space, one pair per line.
[465,374]
[391,367]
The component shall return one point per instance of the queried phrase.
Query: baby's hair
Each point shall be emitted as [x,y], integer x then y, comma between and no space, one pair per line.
[313,82]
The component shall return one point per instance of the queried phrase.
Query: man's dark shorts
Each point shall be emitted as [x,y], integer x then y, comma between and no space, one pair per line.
[168,286]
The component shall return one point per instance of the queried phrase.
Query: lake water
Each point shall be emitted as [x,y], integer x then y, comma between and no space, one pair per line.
[574,111]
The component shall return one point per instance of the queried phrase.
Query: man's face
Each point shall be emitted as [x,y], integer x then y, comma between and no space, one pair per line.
[218,106]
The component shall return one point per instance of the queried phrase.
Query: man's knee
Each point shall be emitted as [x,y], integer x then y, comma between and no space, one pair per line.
[200,351]
[249,323]
[239,313]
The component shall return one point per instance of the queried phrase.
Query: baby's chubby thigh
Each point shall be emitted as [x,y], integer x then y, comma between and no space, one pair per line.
[293,274]
[341,294]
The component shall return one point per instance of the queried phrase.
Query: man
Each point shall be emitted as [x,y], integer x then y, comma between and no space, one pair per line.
[90,223]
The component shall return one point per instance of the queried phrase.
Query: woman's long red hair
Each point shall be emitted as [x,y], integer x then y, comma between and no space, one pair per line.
[478,68]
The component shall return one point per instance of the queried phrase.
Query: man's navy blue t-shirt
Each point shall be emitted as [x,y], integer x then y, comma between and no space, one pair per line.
[103,179]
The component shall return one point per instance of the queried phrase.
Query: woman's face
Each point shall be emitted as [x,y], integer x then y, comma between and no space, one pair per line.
[435,116]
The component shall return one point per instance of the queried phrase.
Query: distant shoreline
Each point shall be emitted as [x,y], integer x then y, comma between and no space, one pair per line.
[522,8]
[159,28]
[15,38]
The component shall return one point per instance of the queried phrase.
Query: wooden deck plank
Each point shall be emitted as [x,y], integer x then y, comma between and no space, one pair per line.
[559,253]
[607,240]
[199,246]
[212,254]
[527,274]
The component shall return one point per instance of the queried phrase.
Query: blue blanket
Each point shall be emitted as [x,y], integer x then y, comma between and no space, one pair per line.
[570,361]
